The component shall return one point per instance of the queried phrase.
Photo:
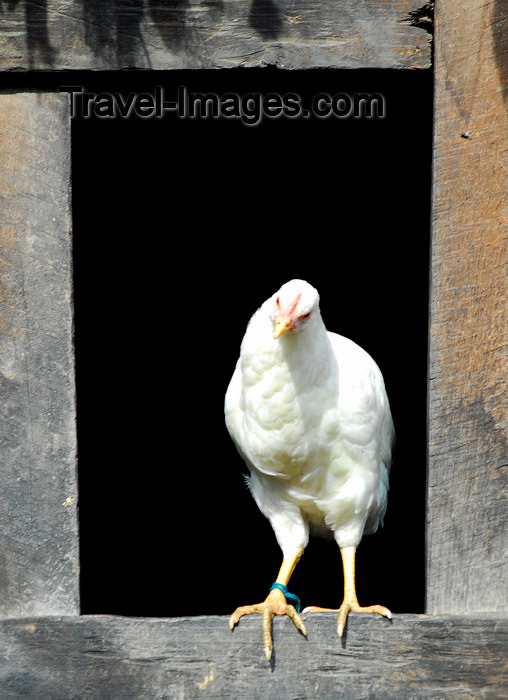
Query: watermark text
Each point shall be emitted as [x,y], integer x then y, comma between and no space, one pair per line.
[251,107]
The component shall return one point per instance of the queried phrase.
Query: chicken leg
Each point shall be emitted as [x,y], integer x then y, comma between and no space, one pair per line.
[350,602]
[274,604]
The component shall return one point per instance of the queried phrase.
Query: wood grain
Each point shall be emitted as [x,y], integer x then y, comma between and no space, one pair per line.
[467,558]
[98,657]
[38,496]
[201,34]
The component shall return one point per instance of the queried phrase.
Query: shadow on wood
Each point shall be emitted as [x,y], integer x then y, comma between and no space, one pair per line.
[92,34]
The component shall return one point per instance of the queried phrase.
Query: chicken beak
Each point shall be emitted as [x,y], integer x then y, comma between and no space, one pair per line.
[281,326]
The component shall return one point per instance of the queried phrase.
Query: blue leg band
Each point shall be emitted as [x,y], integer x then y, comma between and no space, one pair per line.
[290,597]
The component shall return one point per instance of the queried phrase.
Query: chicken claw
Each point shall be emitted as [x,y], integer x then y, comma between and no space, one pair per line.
[348,607]
[275,604]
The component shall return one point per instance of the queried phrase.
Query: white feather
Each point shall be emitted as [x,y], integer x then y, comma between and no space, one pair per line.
[309,414]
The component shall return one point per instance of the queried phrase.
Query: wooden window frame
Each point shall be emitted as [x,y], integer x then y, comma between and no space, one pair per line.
[459,646]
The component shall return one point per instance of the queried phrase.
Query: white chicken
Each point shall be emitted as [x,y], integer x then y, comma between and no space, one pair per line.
[308,412]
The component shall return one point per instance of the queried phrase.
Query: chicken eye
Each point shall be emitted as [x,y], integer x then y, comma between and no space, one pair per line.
[305,316]
[277,301]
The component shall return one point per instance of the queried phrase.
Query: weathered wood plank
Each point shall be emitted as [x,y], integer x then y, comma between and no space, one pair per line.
[98,657]
[38,497]
[201,34]
[467,563]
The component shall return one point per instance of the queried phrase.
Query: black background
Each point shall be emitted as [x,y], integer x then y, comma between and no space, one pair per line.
[181,229]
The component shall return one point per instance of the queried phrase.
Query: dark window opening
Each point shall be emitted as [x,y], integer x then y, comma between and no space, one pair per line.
[182,227]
